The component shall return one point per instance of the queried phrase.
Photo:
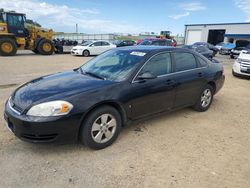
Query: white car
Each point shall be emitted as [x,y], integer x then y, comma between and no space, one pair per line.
[92,48]
[241,65]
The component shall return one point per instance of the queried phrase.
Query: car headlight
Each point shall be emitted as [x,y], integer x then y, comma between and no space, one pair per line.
[53,108]
[239,60]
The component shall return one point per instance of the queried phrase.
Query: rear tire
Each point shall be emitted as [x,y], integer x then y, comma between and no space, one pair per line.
[8,47]
[101,128]
[85,53]
[45,47]
[232,56]
[205,99]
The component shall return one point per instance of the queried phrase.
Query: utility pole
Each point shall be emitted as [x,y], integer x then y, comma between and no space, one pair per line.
[76,28]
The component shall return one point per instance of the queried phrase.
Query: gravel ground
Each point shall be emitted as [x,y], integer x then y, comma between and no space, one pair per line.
[181,149]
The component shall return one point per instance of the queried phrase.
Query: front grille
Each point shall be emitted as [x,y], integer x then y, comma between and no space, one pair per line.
[41,138]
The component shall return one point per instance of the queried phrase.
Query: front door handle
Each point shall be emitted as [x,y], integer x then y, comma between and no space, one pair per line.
[170,82]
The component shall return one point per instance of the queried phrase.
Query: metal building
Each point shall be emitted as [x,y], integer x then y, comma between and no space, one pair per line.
[216,33]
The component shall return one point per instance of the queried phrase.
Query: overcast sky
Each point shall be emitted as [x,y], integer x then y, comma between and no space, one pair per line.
[129,16]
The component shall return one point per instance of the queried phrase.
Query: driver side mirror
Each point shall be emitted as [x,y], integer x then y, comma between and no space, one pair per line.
[146,76]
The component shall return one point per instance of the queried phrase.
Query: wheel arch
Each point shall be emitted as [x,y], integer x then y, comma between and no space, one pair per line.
[9,37]
[86,49]
[116,105]
[213,85]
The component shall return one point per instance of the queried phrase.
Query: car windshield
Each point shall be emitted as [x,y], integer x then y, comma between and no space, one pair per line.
[114,65]
[86,43]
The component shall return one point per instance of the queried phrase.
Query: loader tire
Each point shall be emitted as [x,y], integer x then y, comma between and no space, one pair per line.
[8,47]
[46,47]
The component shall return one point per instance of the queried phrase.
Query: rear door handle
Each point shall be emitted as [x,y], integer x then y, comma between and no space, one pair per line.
[200,74]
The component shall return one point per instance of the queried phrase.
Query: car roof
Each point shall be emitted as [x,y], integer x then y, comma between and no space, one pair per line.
[100,41]
[157,39]
[152,49]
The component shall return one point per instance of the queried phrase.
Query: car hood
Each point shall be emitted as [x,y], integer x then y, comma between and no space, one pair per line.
[244,55]
[79,47]
[55,87]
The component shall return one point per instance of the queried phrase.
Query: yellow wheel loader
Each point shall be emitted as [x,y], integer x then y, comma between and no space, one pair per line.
[18,34]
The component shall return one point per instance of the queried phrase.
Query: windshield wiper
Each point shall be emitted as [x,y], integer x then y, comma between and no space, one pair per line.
[93,75]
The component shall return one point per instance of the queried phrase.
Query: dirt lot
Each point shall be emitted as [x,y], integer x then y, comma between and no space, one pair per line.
[181,149]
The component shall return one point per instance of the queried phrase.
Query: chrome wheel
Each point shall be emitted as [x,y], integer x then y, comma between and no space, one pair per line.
[206,98]
[85,53]
[103,128]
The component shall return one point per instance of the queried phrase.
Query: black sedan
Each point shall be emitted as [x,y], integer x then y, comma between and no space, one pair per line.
[203,50]
[93,102]
[208,45]
[157,42]
[123,43]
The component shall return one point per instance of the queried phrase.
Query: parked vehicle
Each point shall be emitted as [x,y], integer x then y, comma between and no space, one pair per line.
[203,50]
[157,42]
[220,45]
[19,33]
[236,51]
[241,65]
[93,102]
[240,45]
[208,45]
[125,43]
[92,48]
[226,49]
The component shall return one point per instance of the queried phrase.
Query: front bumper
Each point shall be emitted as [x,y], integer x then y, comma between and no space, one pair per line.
[42,129]
[76,52]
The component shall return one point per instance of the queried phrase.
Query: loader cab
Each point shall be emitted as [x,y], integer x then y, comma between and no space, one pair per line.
[15,23]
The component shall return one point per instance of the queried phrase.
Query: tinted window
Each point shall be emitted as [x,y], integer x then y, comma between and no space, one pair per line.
[1,18]
[15,20]
[97,44]
[145,42]
[156,43]
[202,62]
[184,61]
[105,44]
[201,49]
[158,65]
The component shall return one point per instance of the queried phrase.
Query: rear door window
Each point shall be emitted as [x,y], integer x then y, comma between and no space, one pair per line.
[105,44]
[184,61]
[97,44]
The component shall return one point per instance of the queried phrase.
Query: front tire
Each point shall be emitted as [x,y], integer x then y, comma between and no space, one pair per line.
[101,128]
[85,53]
[205,99]
[8,47]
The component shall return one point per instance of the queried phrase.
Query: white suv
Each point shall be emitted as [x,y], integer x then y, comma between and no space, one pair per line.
[92,48]
[241,65]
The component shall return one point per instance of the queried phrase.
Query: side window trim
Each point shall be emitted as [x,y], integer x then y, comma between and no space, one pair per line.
[134,80]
